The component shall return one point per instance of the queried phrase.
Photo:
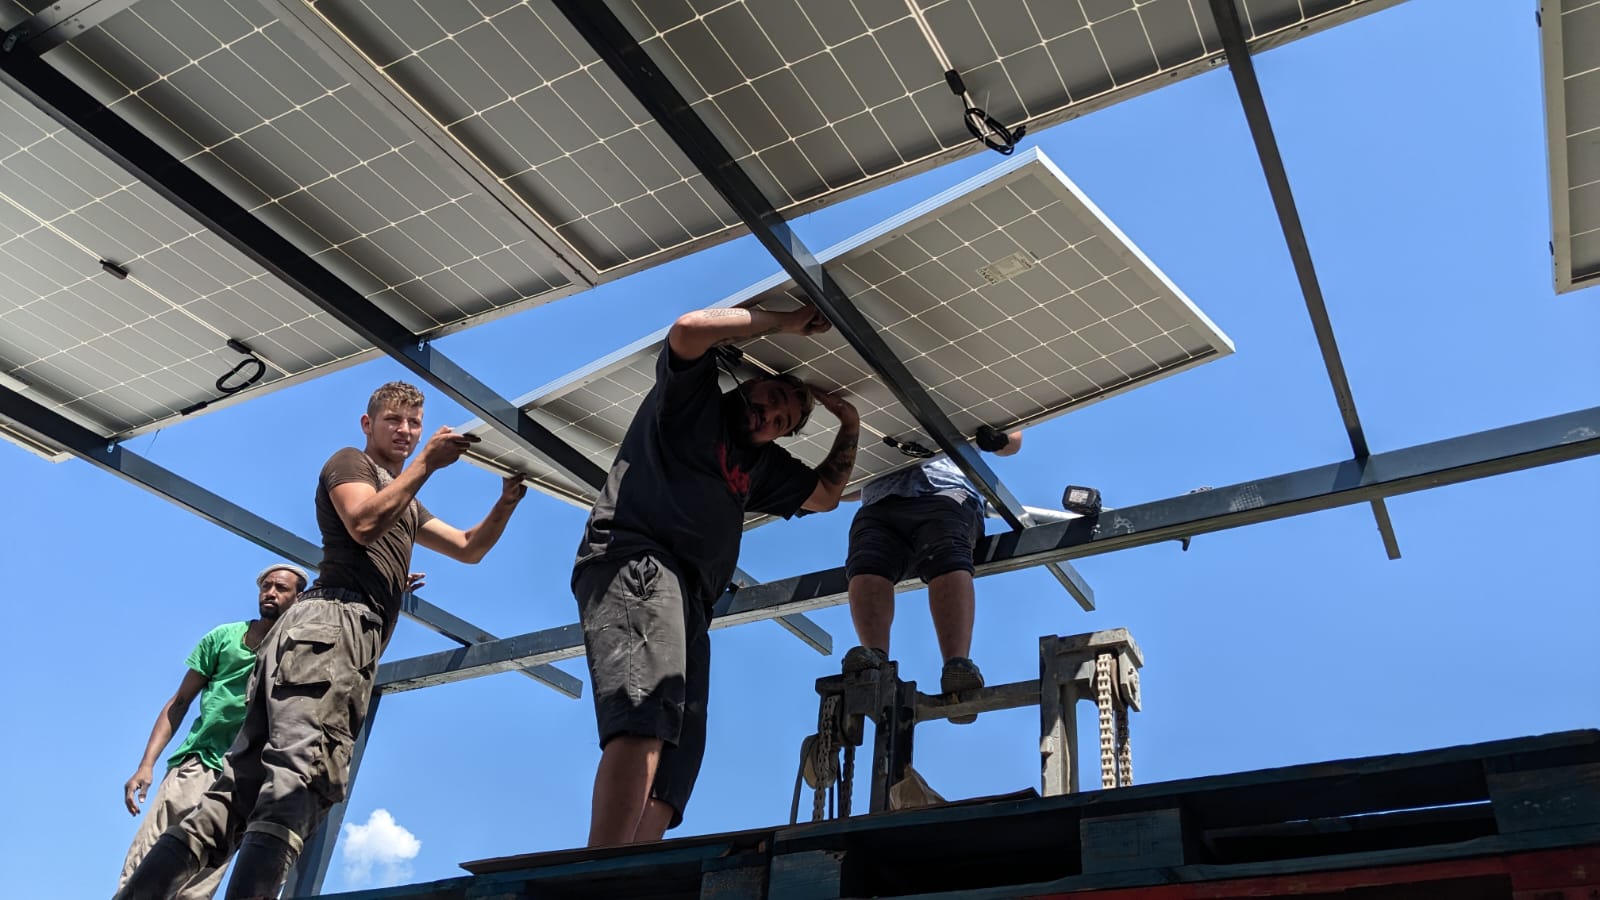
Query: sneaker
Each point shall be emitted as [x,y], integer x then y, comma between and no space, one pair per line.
[960,674]
[860,659]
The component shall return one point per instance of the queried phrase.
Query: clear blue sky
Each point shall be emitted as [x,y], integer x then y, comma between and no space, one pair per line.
[1415,142]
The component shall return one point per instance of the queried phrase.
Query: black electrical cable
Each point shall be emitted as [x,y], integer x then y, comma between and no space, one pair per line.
[910,448]
[986,128]
[250,359]
[260,370]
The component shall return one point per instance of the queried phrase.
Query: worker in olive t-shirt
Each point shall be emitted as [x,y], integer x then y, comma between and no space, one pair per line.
[219,672]
[313,681]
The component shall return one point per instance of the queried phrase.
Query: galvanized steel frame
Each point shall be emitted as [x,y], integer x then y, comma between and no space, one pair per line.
[650,86]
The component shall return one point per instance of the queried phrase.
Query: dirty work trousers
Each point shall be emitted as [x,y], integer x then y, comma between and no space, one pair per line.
[291,761]
[180,791]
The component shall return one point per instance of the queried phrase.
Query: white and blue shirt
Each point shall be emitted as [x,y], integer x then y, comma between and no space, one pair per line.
[932,477]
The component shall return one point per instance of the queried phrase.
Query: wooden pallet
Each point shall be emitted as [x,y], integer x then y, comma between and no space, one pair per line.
[1516,819]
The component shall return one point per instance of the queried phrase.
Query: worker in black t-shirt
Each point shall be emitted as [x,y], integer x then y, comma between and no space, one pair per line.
[661,544]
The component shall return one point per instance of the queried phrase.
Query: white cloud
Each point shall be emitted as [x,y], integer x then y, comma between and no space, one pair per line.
[379,853]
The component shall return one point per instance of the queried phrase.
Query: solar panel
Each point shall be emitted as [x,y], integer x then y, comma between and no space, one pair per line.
[552,177]
[227,88]
[120,354]
[1571,42]
[817,100]
[1011,298]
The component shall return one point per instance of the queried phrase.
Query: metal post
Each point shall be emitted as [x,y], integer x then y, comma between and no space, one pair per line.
[632,64]
[1058,721]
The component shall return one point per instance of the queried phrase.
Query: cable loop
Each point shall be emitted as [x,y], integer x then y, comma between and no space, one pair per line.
[261,369]
[988,129]
[910,448]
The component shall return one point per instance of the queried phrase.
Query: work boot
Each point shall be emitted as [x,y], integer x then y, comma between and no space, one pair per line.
[960,674]
[165,869]
[263,863]
[860,659]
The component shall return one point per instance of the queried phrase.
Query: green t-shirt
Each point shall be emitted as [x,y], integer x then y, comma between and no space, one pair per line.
[222,657]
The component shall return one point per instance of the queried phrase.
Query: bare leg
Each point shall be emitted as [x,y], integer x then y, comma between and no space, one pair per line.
[872,609]
[951,601]
[622,788]
[653,824]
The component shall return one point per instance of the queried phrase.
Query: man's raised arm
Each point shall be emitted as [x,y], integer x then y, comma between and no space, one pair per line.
[833,473]
[695,333]
[368,512]
[472,545]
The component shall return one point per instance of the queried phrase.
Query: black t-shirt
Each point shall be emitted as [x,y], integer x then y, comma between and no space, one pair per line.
[682,482]
[380,568]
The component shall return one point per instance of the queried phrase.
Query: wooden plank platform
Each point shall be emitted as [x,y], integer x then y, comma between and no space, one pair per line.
[1516,819]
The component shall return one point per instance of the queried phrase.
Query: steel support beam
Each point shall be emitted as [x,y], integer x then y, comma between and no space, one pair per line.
[60,22]
[815,636]
[305,879]
[651,87]
[1235,44]
[1515,447]
[57,430]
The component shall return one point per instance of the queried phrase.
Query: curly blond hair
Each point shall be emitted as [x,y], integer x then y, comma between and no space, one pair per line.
[394,395]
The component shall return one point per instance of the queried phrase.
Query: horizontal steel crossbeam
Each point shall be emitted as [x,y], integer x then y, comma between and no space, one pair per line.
[1498,451]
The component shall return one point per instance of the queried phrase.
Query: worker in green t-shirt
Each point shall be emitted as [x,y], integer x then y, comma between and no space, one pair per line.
[219,673]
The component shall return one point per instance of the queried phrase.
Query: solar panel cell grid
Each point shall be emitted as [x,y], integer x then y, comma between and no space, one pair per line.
[1077,315]
[817,98]
[121,355]
[525,96]
[227,88]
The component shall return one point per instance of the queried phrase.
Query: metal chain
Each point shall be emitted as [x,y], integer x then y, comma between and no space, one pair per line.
[827,724]
[1124,748]
[1102,699]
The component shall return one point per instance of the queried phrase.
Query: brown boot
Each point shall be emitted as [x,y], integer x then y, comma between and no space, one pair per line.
[960,674]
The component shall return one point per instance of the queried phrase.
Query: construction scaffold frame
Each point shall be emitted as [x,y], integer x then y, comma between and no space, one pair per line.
[1365,477]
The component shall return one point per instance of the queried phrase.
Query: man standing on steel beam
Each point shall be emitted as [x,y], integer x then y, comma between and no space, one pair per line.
[924,519]
[314,681]
[219,672]
[661,544]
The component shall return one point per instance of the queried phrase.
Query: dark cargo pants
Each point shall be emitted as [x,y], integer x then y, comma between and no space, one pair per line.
[291,761]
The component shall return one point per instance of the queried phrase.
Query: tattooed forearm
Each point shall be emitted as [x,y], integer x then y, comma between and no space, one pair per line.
[841,461]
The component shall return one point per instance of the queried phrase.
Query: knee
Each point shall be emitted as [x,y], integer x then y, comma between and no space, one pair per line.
[868,587]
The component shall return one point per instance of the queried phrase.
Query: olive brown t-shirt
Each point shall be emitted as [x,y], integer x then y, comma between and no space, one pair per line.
[378,569]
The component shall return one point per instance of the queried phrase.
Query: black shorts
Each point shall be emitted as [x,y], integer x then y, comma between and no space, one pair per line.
[929,536]
[649,664]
